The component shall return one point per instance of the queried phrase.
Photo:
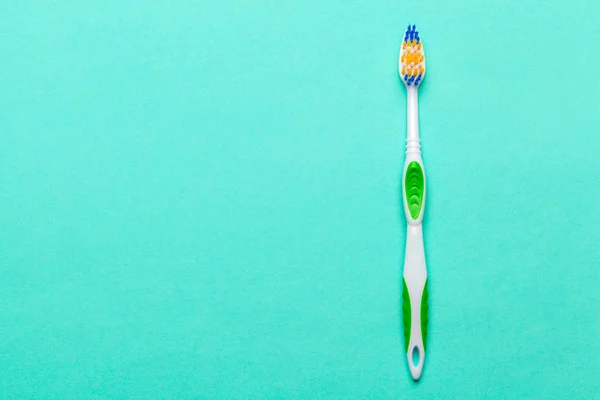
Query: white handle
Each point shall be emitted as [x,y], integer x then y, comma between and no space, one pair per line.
[414,294]
[415,302]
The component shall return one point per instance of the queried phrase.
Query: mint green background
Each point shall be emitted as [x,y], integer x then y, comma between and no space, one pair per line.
[200,200]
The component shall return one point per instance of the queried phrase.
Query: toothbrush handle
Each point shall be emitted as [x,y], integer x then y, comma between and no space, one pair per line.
[414,292]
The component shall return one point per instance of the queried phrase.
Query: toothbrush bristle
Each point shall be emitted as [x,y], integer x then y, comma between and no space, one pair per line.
[412,57]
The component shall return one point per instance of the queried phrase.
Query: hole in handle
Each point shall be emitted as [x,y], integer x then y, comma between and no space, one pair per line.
[416,355]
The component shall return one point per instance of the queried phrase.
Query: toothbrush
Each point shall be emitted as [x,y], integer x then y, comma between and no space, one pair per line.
[411,67]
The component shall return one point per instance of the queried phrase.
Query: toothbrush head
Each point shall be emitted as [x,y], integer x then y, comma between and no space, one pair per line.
[411,64]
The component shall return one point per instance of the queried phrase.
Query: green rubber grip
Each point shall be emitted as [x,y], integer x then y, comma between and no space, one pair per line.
[414,184]
[424,315]
[407,315]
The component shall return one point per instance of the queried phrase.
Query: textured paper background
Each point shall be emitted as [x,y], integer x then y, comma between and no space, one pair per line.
[200,199]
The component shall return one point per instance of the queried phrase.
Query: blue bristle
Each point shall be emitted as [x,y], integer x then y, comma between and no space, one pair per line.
[417,37]
[418,79]
[405,77]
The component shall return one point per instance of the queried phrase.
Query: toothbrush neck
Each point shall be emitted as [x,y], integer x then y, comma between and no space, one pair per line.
[412,113]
